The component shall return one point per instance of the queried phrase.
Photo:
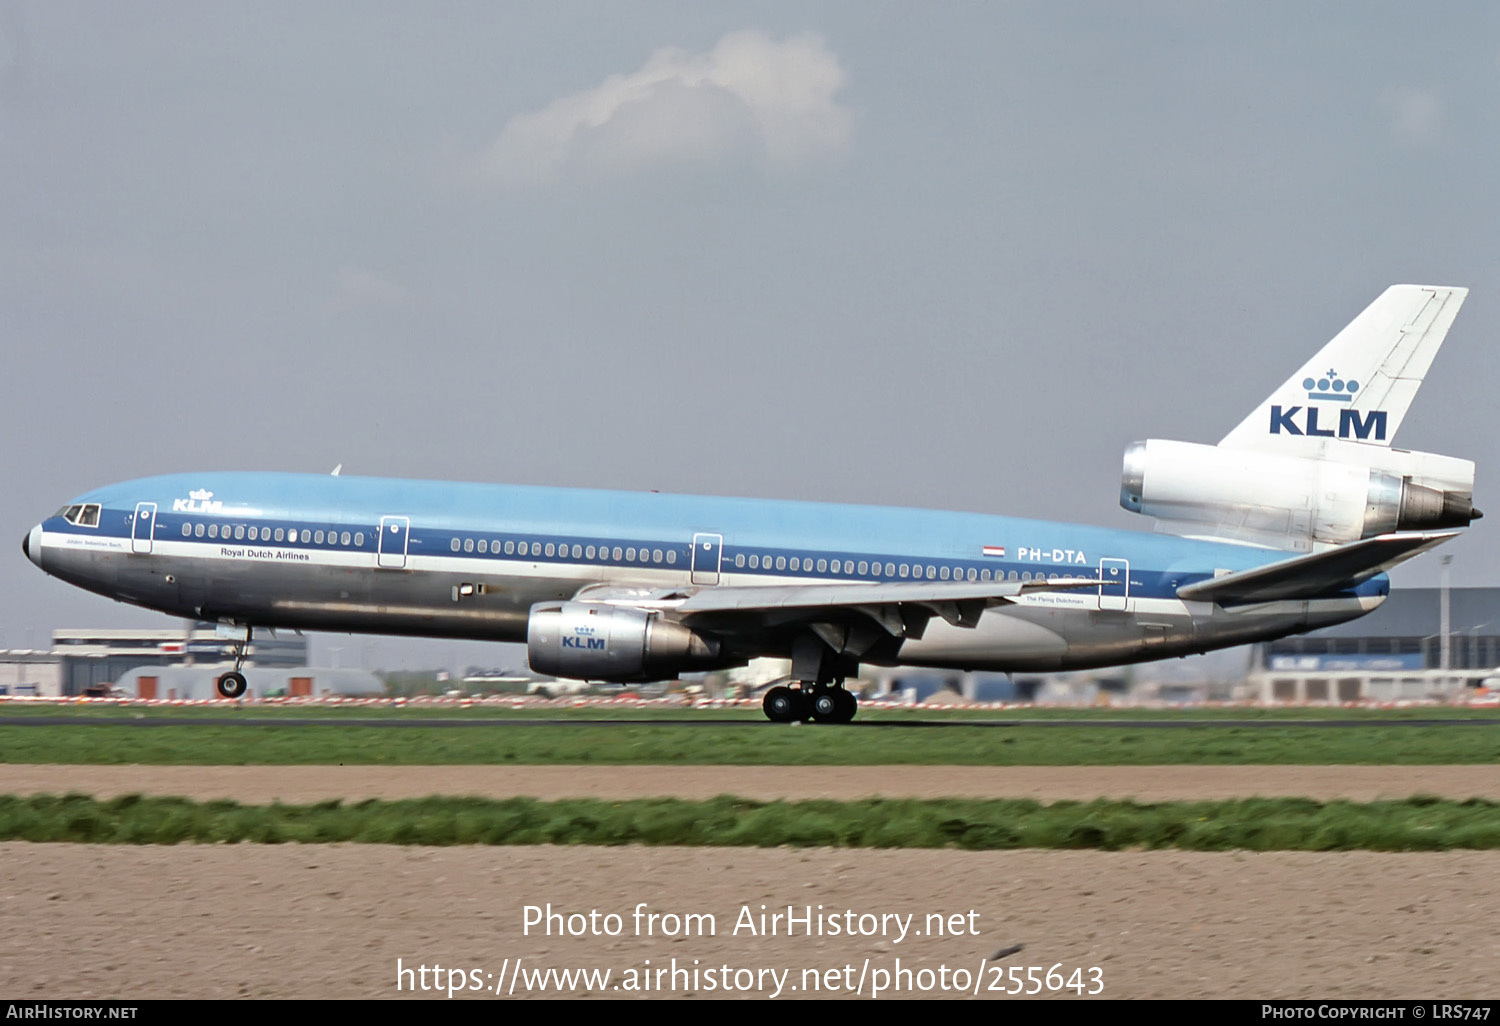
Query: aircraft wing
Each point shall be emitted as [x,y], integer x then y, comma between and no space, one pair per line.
[1322,573]
[901,607]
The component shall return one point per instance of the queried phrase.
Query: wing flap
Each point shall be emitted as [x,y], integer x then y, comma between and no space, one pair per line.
[739,599]
[1322,573]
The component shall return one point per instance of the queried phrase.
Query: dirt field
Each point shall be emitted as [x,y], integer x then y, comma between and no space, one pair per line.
[332,921]
[301,784]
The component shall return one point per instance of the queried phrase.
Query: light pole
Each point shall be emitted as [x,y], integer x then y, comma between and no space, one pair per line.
[1443,624]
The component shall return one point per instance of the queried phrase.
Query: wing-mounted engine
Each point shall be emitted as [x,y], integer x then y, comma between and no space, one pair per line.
[594,641]
[1295,502]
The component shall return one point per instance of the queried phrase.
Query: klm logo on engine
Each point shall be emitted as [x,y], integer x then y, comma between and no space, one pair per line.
[1295,420]
[589,644]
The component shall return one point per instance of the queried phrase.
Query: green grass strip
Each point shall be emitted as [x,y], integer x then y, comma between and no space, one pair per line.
[751,744]
[1255,824]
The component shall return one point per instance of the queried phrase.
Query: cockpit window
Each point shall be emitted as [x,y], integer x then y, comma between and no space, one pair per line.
[83,514]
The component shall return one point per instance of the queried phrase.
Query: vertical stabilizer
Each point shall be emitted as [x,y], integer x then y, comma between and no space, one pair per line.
[1360,385]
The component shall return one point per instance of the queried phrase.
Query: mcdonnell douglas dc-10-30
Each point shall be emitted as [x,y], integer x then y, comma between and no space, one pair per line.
[1286,525]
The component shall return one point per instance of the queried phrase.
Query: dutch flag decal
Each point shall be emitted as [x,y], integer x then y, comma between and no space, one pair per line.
[994,550]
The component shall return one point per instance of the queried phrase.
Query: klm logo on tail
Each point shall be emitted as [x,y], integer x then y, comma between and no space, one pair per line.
[1352,424]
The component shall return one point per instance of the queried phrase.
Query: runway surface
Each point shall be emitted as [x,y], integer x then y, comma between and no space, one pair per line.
[751,724]
[306,784]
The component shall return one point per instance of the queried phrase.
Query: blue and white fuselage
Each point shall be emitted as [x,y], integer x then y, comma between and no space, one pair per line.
[470,561]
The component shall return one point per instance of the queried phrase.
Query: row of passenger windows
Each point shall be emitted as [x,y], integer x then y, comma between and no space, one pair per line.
[864,568]
[629,554]
[239,532]
[795,564]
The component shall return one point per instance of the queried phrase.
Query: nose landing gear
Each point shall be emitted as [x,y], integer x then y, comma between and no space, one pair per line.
[233,683]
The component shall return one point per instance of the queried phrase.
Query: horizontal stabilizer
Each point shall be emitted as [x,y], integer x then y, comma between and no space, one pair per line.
[1317,575]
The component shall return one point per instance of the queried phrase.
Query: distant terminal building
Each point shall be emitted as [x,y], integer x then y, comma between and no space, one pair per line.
[196,683]
[97,659]
[25,671]
[1400,652]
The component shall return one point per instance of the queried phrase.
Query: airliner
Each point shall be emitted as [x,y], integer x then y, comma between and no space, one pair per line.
[1288,524]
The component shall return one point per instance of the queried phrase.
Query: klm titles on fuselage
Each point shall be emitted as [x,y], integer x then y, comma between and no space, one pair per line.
[1298,420]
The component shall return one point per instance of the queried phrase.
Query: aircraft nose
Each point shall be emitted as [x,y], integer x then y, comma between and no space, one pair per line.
[32,545]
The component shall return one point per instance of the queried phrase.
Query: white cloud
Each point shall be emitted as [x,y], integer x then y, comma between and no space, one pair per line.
[749,96]
[1414,117]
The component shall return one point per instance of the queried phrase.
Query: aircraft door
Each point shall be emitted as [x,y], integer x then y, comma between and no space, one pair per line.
[1114,593]
[143,527]
[395,532]
[708,549]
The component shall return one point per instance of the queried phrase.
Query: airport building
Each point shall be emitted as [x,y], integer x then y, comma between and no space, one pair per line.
[28,672]
[1407,650]
[91,661]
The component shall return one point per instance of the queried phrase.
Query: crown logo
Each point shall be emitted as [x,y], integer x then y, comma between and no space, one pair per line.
[1332,387]
[202,495]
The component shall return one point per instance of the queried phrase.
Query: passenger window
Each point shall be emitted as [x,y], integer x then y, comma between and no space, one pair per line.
[739,560]
[671,555]
[359,539]
[280,534]
[318,538]
[1013,575]
[619,553]
[343,538]
[550,549]
[823,566]
[904,570]
[984,575]
[577,551]
[796,563]
[656,555]
[630,553]
[944,572]
[468,544]
[510,548]
[588,553]
[971,574]
[890,570]
[213,531]
[198,530]
[484,545]
[754,561]
[1025,575]
[781,562]
[291,534]
[187,530]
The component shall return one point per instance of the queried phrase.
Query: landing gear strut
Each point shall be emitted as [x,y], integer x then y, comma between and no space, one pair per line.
[233,683]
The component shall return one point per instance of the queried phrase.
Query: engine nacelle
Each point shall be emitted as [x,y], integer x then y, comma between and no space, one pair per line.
[593,641]
[1281,500]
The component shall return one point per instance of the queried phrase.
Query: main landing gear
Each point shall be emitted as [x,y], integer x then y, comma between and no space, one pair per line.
[825,703]
[233,683]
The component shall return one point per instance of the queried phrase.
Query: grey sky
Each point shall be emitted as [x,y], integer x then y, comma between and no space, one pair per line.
[947,255]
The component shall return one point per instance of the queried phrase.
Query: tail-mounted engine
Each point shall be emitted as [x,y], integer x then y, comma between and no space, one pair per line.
[1295,502]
